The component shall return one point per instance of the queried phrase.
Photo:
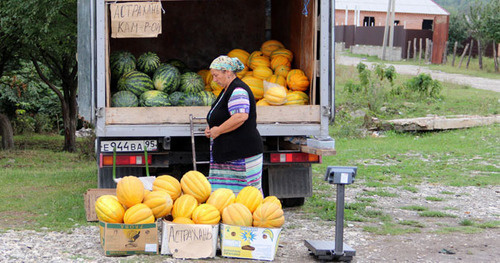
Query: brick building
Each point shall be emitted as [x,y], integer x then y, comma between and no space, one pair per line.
[412,14]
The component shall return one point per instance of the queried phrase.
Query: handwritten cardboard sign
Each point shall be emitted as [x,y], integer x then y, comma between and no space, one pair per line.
[135,19]
[189,241]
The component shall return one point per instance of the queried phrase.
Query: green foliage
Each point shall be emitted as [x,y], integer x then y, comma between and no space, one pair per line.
[422,84]
[30,104]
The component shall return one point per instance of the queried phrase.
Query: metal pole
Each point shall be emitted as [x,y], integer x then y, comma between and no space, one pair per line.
[339,221]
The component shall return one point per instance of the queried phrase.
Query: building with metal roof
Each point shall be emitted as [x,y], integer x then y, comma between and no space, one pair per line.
[412,14]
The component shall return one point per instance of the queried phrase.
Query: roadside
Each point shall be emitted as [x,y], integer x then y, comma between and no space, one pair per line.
[475,82]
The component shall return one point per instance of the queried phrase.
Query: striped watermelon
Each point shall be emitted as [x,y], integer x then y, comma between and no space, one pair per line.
[191,82]
[121,62]
[207,98]
[136,82]
[154,98]
[148,63]
[124,98]
[192,99]
[181,66]
[177,98]
[166,78]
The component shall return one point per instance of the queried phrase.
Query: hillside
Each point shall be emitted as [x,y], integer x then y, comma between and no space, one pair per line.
[454,6]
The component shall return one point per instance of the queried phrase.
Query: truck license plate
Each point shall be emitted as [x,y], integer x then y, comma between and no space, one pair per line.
[129,146]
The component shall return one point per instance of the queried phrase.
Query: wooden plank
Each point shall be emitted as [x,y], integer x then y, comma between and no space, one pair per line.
[180,115]
[435,123]
[321,152]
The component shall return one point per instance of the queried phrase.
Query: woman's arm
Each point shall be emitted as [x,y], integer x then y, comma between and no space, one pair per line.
[231,124]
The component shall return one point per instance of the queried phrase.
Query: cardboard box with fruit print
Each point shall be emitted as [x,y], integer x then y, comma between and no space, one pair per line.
[249,242]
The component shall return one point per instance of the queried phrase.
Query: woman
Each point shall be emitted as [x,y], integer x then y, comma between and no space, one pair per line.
[236,146]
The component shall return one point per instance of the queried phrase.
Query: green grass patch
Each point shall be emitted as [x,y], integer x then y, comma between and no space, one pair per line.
[447,193]
[434,198]
[435,214]
[45,186]
[412,223]
[459,229]
[489,224]
[412,189]
[414,208]
[391,229]
[436,157]
[380,193]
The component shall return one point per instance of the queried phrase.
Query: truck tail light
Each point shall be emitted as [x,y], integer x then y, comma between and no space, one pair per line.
[294,158]
[107,160]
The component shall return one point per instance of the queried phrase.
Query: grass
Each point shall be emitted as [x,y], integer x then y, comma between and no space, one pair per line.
[46,186]
[434,198]
[435,214]
[414,208]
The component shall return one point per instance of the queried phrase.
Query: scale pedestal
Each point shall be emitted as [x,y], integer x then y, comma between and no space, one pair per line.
[335,250]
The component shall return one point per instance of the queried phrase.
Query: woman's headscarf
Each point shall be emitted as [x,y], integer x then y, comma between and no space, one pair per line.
[227,63]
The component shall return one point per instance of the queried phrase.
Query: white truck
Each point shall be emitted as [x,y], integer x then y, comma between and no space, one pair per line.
[196,32]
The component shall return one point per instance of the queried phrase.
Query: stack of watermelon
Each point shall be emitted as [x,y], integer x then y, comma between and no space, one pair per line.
[146,82]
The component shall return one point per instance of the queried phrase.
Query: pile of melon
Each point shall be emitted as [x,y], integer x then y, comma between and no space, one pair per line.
[190,201]
[271,64]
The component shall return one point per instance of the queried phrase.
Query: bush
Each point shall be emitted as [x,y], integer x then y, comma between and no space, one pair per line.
[423,85]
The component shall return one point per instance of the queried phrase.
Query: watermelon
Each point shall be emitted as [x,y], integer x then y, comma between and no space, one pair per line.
[181,66]
[154,98]
[121,62]
[207,98]
[177,98]
[136,82]
[166,78]
[148,63]
[191,82]
[124,98]
[192,99]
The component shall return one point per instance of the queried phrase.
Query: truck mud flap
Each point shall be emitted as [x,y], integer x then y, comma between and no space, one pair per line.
[290,181]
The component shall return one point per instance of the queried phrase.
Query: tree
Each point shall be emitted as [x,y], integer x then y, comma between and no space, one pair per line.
[47,32]
[491,24]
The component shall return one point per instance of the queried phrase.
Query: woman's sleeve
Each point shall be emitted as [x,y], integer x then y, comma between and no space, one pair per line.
[239,102]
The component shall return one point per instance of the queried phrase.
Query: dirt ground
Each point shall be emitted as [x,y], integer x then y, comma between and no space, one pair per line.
[475,82]
[478,204]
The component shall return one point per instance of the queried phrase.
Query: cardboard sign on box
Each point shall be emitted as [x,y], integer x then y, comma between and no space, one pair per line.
[128,239]
[90,197]
[249,242]
[189,241]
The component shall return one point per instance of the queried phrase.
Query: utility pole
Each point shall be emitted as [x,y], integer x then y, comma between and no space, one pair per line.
[386,28]
[391,32]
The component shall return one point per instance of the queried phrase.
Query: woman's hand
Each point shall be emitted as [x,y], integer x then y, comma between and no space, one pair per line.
[207,132]
[215,132]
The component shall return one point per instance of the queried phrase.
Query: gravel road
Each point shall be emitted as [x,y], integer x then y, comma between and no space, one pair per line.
[475,82]
[479,204]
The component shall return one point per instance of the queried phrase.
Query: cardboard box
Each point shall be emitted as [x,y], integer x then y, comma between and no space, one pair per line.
[249,242]
[89,199]
[129,239]
[189,241]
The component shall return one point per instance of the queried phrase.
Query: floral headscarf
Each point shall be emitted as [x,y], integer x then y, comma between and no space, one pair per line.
[227,63]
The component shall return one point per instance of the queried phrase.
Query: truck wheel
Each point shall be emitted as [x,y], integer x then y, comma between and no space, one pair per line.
[291,202]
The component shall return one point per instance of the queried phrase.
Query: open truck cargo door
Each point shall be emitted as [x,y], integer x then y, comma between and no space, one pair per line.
[86,60]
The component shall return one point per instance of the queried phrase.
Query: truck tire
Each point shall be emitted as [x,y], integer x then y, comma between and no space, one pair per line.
[292,202]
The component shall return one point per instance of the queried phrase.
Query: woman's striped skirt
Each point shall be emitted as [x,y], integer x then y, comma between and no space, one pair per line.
[236,174]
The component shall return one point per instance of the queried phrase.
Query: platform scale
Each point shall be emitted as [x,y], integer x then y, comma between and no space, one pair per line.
[335,250]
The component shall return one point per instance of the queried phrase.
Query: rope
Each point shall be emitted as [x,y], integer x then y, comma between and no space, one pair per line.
[305,12]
